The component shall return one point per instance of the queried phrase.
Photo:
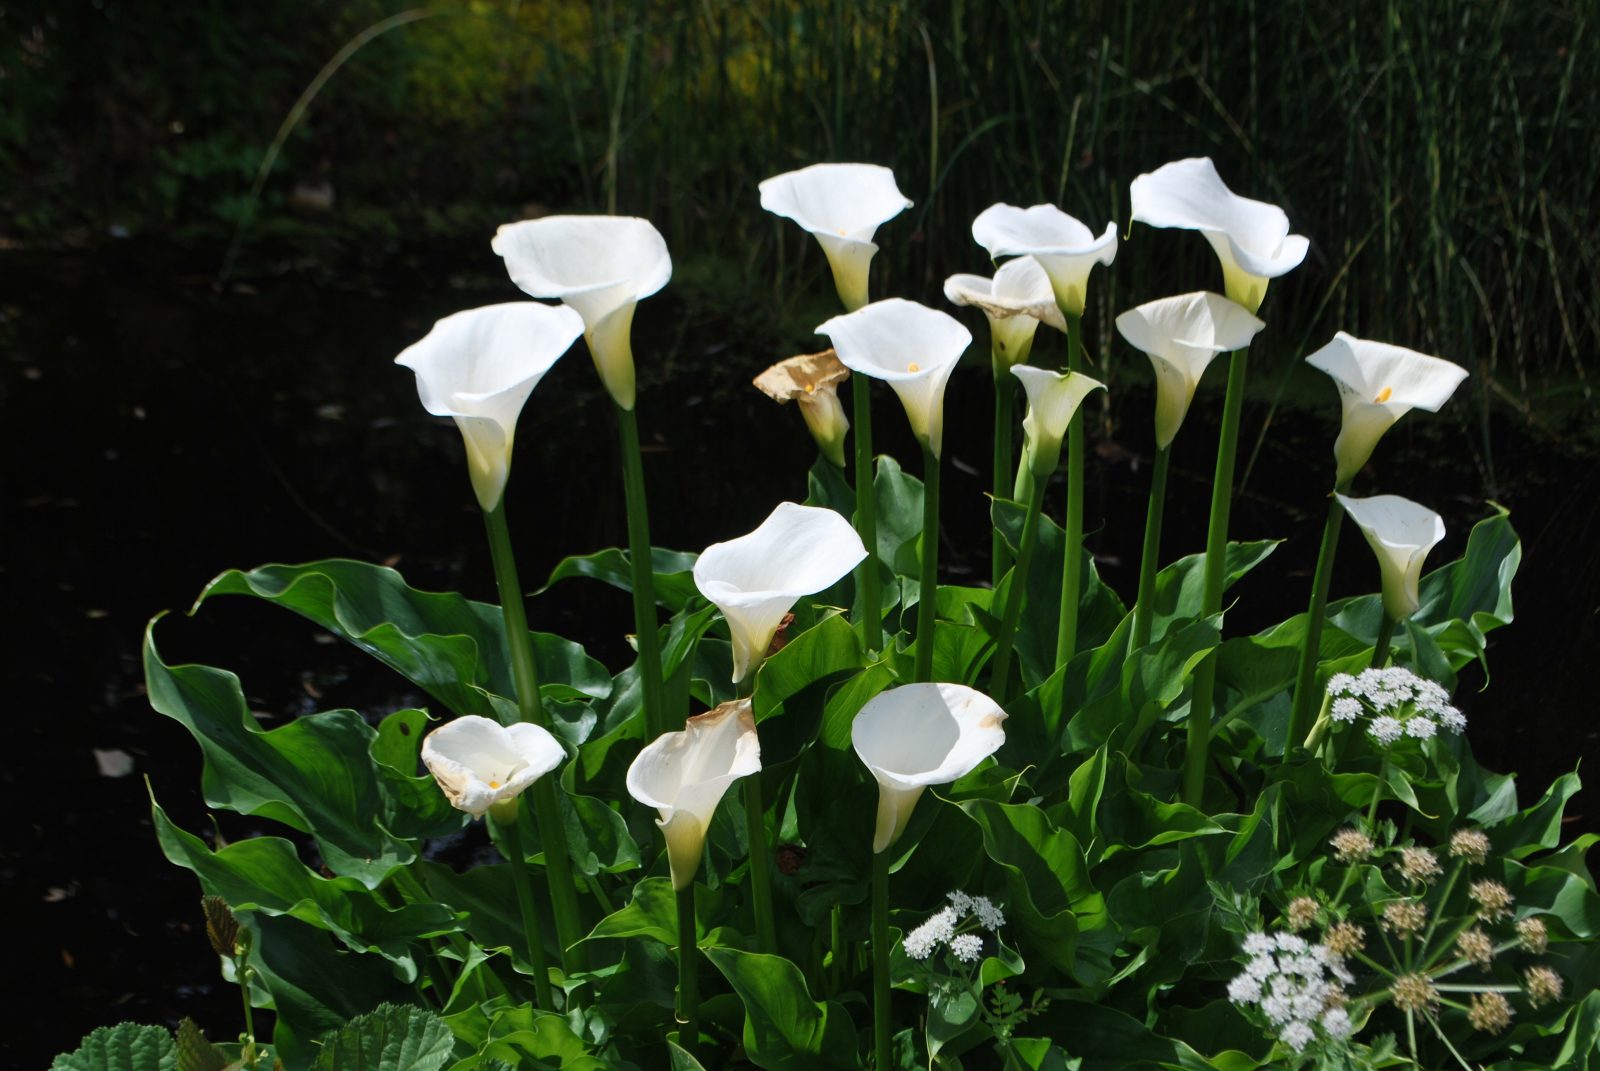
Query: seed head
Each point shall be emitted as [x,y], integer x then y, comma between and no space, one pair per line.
[1533,935]
[1543,985]
[1489,1012]
[1351,845]
[1471,845]
[1345,939]
[1405,917]
[1419,866]
[1302,912]
[1477,946]
[1493,899]
[1414,992]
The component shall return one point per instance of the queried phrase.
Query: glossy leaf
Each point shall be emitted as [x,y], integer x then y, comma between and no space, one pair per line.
[784,1029]
[673,572]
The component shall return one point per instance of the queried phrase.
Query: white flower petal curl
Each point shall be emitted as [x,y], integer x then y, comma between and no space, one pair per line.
[842,205]
[1401,532]
[1053,400]
[1016,301]
[755,579]
[478,762]
[1064,247]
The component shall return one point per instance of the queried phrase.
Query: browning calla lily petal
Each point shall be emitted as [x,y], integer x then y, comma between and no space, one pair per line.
[909,346]
[1016,301]
[918,735]
[478,762]
[1251,238]
[479,366]
[1400,532]
[600,266]
[685,774]
[1378,384]
[755,579]
[812,380]
[1064,247]
[842,205]
[1053,400]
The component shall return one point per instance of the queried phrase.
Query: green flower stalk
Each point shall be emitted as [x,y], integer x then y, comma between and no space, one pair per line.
[504,819]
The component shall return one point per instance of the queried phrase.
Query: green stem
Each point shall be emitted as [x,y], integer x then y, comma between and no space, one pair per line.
[928,591]
[532,932]
[881,1026]
[639,558]
[688,976]
[530,706]
[1072,539]
[1380,652]
[1306,673]
[1149,559]
[243,972]
[1005,393]
[1000,680]
[836,941]
[760,865]
[1205,675]
[867,580]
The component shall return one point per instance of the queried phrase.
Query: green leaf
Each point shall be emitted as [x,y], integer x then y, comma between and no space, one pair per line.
[414,806]
[1180,587]
[124,1047]
[653,913]
[673,571]
[677,1059]
[391,1037]
[520,1034]
[783,1027]
[826,648]
[195,1053]
[899,499]
[314,774]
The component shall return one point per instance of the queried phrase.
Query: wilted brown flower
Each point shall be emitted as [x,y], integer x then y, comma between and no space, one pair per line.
[1477,946]
[1414,992]
[1405,917]
[1345,939]
[1471,845]
[812,379]
[1543,985]
[1533,935]
[1302,912]
[1493,899]
[1419,866]
[1489,1012]
[1351,845]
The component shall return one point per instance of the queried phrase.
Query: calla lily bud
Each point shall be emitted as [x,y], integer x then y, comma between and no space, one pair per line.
[600,266]
[812,380]
[1181,335]
[480,763]
[918,735]
[1065,248]
[1378,384]
[1017,300]
[909,346]
[842,205]
[1053,400]
[479,367]
[684,775]
[1251,238]
[1401,533]
[755,579]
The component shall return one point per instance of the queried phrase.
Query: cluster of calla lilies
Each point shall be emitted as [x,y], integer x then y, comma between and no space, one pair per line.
[479,367]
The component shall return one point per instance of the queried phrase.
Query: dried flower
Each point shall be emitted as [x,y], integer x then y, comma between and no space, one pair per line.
[1489,1012]
[1405,917]
[1543,985]
[1351,845]
[1493,899]
[1533,935]
[1345,939]
[1471,845]
[1419,866]
[1476,946]
[1414,992]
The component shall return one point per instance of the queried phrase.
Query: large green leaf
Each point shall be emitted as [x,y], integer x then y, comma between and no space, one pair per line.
[899,499]
[784,1029]
[828,647]
[391,1037]
[673,572]
[1180,587]
[314,774]
[124,1047]
[521,1034]
[414,806]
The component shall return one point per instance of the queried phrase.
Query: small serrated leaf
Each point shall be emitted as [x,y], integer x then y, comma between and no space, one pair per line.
[222,929]
[124,1047]
[195,1053]
[391,1037]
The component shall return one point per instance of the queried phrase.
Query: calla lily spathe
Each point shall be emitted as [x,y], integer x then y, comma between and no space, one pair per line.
[1016,301]
[1053,400]
[1401,532]
[1251,238]
[1181,335]
[478,762]
[479,366]
[600,266]
[1378,384]
[755,579]
[909,346]
[812,380]
[918,735]
[1064,247]
[684,775]
[842,205]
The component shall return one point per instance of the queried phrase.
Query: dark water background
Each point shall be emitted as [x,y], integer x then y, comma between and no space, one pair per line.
[157,431]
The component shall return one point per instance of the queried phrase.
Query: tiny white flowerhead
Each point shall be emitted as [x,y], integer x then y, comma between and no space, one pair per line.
[967,947]
[842,205]
[1401,533]
[478,762]
[1064,247]
[1386,730]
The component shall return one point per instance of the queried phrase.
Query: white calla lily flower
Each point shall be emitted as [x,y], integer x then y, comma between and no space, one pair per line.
[1378,384]
[755,579]
[1251,238]
[1401,532]
[600,266]
[1016,301]
[909,346]
[842,205]
[479,366]
[918,735]
[1181,335]
[684,775]
[478,762]
[812,380]
[1053,400]
[1065,248]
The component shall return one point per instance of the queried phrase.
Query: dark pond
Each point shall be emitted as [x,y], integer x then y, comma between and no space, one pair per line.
[158,431]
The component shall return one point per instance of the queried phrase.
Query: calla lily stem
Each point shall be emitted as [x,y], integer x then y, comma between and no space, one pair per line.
[532,931]
[1001,687]
[1005,398]
[1380,652]
[1306,673]
[525,677]
[928,590]
[688,973]
[1149,559]
[1205,675]
[644,585]
[1072,540]
[760,865]
[882,1028]
[866,516]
